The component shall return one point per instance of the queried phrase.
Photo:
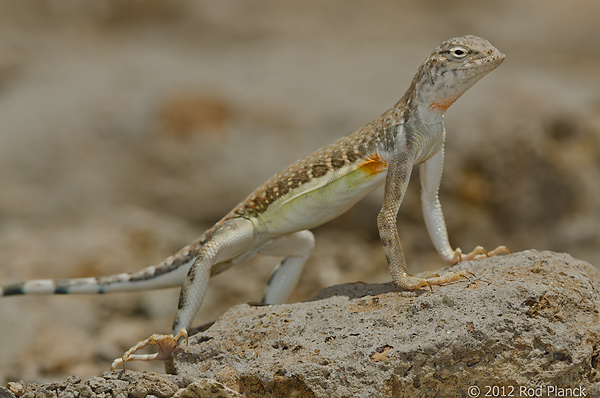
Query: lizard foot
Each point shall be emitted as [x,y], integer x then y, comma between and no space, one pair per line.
[477,254]
[165,344]
[410,282]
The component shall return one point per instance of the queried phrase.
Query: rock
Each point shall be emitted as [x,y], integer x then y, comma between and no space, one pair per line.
[112,384]
[123,385]
[206,388]
[7,392]
[527,324]
[526,320]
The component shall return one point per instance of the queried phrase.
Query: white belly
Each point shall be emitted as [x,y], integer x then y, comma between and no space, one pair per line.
[319,202]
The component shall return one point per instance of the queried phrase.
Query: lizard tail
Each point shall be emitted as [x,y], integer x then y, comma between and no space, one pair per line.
[171,272]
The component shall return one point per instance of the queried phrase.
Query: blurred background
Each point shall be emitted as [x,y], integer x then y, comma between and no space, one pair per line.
[128,128]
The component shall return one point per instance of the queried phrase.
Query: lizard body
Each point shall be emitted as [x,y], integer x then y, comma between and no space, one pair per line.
[275,219]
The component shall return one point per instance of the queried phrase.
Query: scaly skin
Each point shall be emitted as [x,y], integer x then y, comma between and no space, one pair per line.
[275,219]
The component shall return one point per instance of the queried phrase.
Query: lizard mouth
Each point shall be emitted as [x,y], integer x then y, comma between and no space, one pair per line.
[491,61]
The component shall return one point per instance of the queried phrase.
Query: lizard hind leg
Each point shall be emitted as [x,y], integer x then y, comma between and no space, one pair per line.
[296,248]
[233,238]
[165,344]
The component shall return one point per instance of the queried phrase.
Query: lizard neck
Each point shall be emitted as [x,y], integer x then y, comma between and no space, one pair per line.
[427,128]
[425,115]
[418,104]
[413,129]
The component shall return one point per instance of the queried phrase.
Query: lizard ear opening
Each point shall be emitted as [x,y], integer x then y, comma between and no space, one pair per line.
[430,77]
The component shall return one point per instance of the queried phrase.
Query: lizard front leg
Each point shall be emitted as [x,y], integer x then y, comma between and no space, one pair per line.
[399,171]
[398,175]
[431,175]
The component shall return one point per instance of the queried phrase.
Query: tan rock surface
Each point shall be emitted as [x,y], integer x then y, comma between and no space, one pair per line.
[529,319]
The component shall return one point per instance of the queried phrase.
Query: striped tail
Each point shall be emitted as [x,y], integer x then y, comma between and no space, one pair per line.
[170,273]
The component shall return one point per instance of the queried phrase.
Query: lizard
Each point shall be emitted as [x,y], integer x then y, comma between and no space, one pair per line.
[275,219]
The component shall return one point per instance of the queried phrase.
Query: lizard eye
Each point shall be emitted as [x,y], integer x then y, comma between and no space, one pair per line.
[458,52]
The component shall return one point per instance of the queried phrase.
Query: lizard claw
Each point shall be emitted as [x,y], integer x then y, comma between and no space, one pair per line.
[165,343]
[429,284]
[464,274]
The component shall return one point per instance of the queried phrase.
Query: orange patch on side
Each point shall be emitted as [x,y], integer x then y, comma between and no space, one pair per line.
[441,105]
[373,165]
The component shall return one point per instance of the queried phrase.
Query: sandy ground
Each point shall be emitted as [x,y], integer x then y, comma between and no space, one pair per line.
[126,130]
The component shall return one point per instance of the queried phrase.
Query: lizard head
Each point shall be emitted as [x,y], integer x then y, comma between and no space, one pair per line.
[454,67]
